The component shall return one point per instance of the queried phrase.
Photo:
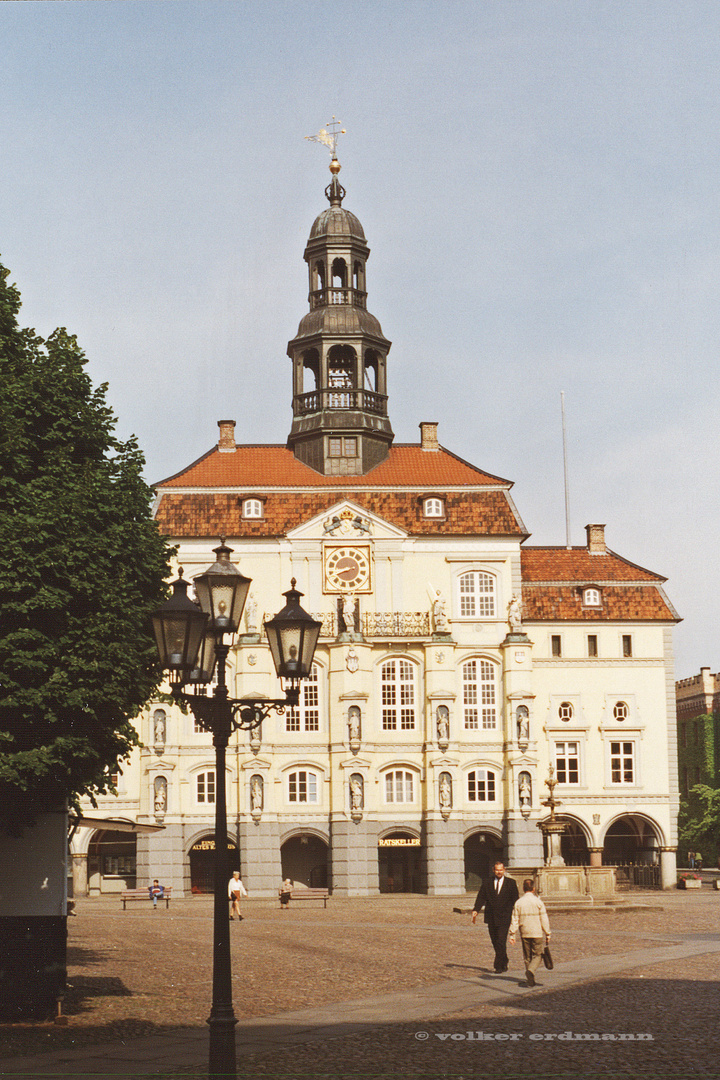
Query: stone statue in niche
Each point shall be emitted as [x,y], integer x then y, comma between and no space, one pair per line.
[160,802]
[251,609]
[159,719]
[523,724]
[256,793]
[445,791]
[354,723]
[515,616]
[356,792]
[348,612]
[525,790]
[443,724]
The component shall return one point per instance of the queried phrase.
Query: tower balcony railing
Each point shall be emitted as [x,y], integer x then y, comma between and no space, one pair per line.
[320,400]
[327,297]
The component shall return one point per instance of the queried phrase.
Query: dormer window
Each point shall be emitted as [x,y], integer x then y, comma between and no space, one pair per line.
[434,508]
[591,598]
[252,508]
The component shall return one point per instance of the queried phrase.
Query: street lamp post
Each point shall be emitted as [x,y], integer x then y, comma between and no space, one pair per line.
[189,638]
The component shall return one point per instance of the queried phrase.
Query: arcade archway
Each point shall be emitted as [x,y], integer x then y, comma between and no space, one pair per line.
[482,850]
[202,864]
[399,863]
[305,859]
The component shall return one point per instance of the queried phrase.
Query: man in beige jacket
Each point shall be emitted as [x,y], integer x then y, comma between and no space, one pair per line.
[530,915]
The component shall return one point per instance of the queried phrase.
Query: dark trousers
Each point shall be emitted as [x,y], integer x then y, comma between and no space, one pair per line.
[498,930]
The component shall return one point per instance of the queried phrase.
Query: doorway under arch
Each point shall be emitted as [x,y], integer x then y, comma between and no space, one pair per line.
[202,864]
[112,859]
[481,850]
[400,863]
[631,840]
[305,860]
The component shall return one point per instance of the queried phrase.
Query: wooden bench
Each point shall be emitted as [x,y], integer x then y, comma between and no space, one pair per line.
[310,894]
[144,894]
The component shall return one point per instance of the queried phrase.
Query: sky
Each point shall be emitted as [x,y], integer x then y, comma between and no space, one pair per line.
[537,180]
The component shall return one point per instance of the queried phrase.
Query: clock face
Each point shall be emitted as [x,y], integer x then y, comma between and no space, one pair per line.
[347,569]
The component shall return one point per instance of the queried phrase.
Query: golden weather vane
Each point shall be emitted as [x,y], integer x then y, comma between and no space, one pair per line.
[328,136]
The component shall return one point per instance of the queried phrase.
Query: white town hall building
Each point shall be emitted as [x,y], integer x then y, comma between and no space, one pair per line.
[457,663]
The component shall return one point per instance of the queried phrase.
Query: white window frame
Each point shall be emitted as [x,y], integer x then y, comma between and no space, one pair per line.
[433,507]
[477,595]
[490,781]
[303,786]
[561,750]
[398,694]
[205,787]
[617,762]
[253,508]
[592,597]
[479,694]
[399,782]
[305,716]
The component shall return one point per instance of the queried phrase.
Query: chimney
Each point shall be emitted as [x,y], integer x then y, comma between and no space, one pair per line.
[428,436]
[596,539]
[226,442]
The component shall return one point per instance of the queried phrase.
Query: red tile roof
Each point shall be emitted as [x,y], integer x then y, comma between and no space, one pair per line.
[553,578]
[556,564]
[276,466]
[468,513]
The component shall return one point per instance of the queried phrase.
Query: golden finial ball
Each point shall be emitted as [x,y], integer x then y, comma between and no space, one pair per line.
[335,166]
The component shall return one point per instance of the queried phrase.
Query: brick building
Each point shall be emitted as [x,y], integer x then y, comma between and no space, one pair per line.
[457,663]
[698,730]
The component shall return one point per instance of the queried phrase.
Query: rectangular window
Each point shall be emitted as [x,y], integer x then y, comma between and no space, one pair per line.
[622,762]
[556,645]
[335,447]
[206,787]
[302,787]
[627,649]
[350,447]
[567,762]
[481,786]
[592,645]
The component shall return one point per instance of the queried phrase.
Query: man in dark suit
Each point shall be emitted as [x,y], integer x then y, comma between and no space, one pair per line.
[497,896]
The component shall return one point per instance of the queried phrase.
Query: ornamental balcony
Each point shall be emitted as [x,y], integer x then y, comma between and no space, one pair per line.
[327,297]
[324,400]
[380,624]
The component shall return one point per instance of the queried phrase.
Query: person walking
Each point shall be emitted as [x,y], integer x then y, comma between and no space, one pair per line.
[530,915]
[236,889]
[498,897]
[284,892]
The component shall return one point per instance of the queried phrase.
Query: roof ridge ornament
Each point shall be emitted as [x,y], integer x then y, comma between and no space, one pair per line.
[328,136]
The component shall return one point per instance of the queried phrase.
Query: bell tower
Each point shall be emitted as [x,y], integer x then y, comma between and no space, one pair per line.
[340,424]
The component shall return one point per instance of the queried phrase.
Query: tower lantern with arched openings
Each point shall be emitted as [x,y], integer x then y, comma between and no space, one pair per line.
[340,423]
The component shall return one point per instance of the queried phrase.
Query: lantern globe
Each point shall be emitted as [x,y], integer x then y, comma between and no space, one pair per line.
[293,636]
[178,626]
[202,672]
[222,591]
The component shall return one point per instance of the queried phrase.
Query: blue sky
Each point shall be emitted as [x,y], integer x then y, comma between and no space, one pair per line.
[537,181]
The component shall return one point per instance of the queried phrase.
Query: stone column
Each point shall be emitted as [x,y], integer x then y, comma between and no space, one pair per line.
[354,856]
[445,856]
[668,867]
[79,875]
[596,854]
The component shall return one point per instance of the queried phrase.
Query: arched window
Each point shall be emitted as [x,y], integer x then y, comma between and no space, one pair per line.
[399,786]
[477,595]
[205,786]
[620,710]
[481,785]
[306,715]
[397,678]
[303,786]
[479,695]
[591,597]
[339,274]
[565,711]
[252,508]
[433,508]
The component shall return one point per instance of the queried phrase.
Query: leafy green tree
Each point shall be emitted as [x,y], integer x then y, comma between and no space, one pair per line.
[699,822]
[81,566]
